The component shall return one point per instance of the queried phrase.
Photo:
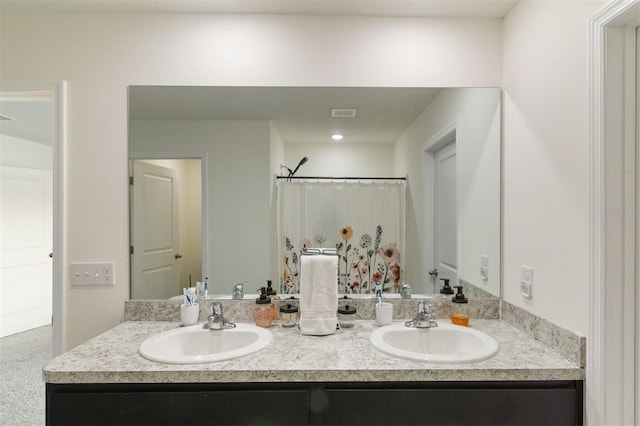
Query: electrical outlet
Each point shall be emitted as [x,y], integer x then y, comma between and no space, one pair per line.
[92,273]
[484,267]
[526,281]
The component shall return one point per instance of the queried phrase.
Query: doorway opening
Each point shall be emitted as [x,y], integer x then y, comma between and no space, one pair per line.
[31,220]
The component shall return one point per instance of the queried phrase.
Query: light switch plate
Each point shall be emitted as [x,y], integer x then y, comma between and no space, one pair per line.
[92,273]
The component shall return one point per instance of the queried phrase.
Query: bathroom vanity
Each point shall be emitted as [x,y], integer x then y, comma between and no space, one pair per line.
[338,379]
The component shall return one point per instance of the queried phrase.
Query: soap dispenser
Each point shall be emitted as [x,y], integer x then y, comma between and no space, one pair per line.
[262,314]
[460,308]
[446,288]
[271,292]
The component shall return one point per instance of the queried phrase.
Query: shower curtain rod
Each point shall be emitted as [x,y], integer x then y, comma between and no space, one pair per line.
[340,178]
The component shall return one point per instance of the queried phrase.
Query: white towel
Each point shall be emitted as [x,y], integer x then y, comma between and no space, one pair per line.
[318,294]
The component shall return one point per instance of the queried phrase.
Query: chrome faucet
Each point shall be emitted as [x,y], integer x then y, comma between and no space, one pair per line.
[405,291]
[238,291]
[216,320]
[423,317]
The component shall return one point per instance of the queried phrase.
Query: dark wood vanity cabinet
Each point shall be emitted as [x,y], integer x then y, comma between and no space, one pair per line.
[334,403]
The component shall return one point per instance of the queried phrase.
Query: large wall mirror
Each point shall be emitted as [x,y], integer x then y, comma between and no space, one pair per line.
[204,197]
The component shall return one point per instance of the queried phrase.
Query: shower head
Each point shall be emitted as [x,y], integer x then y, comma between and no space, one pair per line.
[304,160]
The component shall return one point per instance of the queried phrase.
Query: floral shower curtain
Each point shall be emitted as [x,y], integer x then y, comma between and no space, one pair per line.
[363,219]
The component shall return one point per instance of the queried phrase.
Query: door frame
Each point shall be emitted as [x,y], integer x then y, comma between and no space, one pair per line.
[59,143]
[202,156]
[445,135]
[613,243]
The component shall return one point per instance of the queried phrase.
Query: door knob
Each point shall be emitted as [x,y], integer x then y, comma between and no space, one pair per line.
[178,256]
[433,272]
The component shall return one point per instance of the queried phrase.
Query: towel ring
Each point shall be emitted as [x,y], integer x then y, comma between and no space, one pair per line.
[319,251]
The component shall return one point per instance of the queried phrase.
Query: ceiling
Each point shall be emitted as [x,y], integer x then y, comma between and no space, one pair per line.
[300,114]
[27,115]
[431,8]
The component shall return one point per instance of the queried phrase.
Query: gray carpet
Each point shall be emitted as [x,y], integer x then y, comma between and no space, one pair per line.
[22,357]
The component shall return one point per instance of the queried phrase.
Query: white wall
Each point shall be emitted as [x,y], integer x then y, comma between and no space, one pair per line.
[191,235]
[238,191]
[101,54]
[546,146]
[340,159]
[476,115]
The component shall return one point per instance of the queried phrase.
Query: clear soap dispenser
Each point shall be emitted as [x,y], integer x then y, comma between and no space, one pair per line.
[460,308]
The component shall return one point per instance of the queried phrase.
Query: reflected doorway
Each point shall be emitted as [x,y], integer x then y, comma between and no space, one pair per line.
[446,215]
[166,226]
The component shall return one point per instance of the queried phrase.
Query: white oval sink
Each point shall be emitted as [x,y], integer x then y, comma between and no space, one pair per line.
[193,345]
[447,343]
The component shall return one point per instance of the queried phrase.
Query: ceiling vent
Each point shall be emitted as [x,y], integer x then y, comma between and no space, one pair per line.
[343,112]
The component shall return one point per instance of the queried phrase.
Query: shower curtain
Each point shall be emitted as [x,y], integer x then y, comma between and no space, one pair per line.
[363,219]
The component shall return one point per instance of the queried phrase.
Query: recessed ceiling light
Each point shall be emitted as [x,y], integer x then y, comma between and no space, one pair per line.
[337,137]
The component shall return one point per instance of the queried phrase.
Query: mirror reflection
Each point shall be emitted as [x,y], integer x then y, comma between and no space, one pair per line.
[205,202]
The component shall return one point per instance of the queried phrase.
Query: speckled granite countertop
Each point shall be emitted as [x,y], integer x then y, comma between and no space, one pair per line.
[291,357]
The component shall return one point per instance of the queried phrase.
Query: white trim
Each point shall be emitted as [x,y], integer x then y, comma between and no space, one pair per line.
[628,330]
[637,236]
[601,328]
[59,218]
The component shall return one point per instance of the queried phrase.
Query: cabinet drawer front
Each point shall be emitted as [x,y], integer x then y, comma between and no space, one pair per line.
[234,407]
[450,407]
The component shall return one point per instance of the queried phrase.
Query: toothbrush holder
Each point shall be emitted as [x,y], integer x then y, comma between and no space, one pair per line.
[384,313]
[189,314]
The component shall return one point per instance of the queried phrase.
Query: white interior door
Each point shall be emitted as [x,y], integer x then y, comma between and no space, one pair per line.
[25,243]
[445,214]
[154,232]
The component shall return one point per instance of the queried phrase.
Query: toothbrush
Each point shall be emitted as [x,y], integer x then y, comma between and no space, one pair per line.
[188,298]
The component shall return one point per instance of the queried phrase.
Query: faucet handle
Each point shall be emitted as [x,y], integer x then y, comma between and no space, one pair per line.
[216,308]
